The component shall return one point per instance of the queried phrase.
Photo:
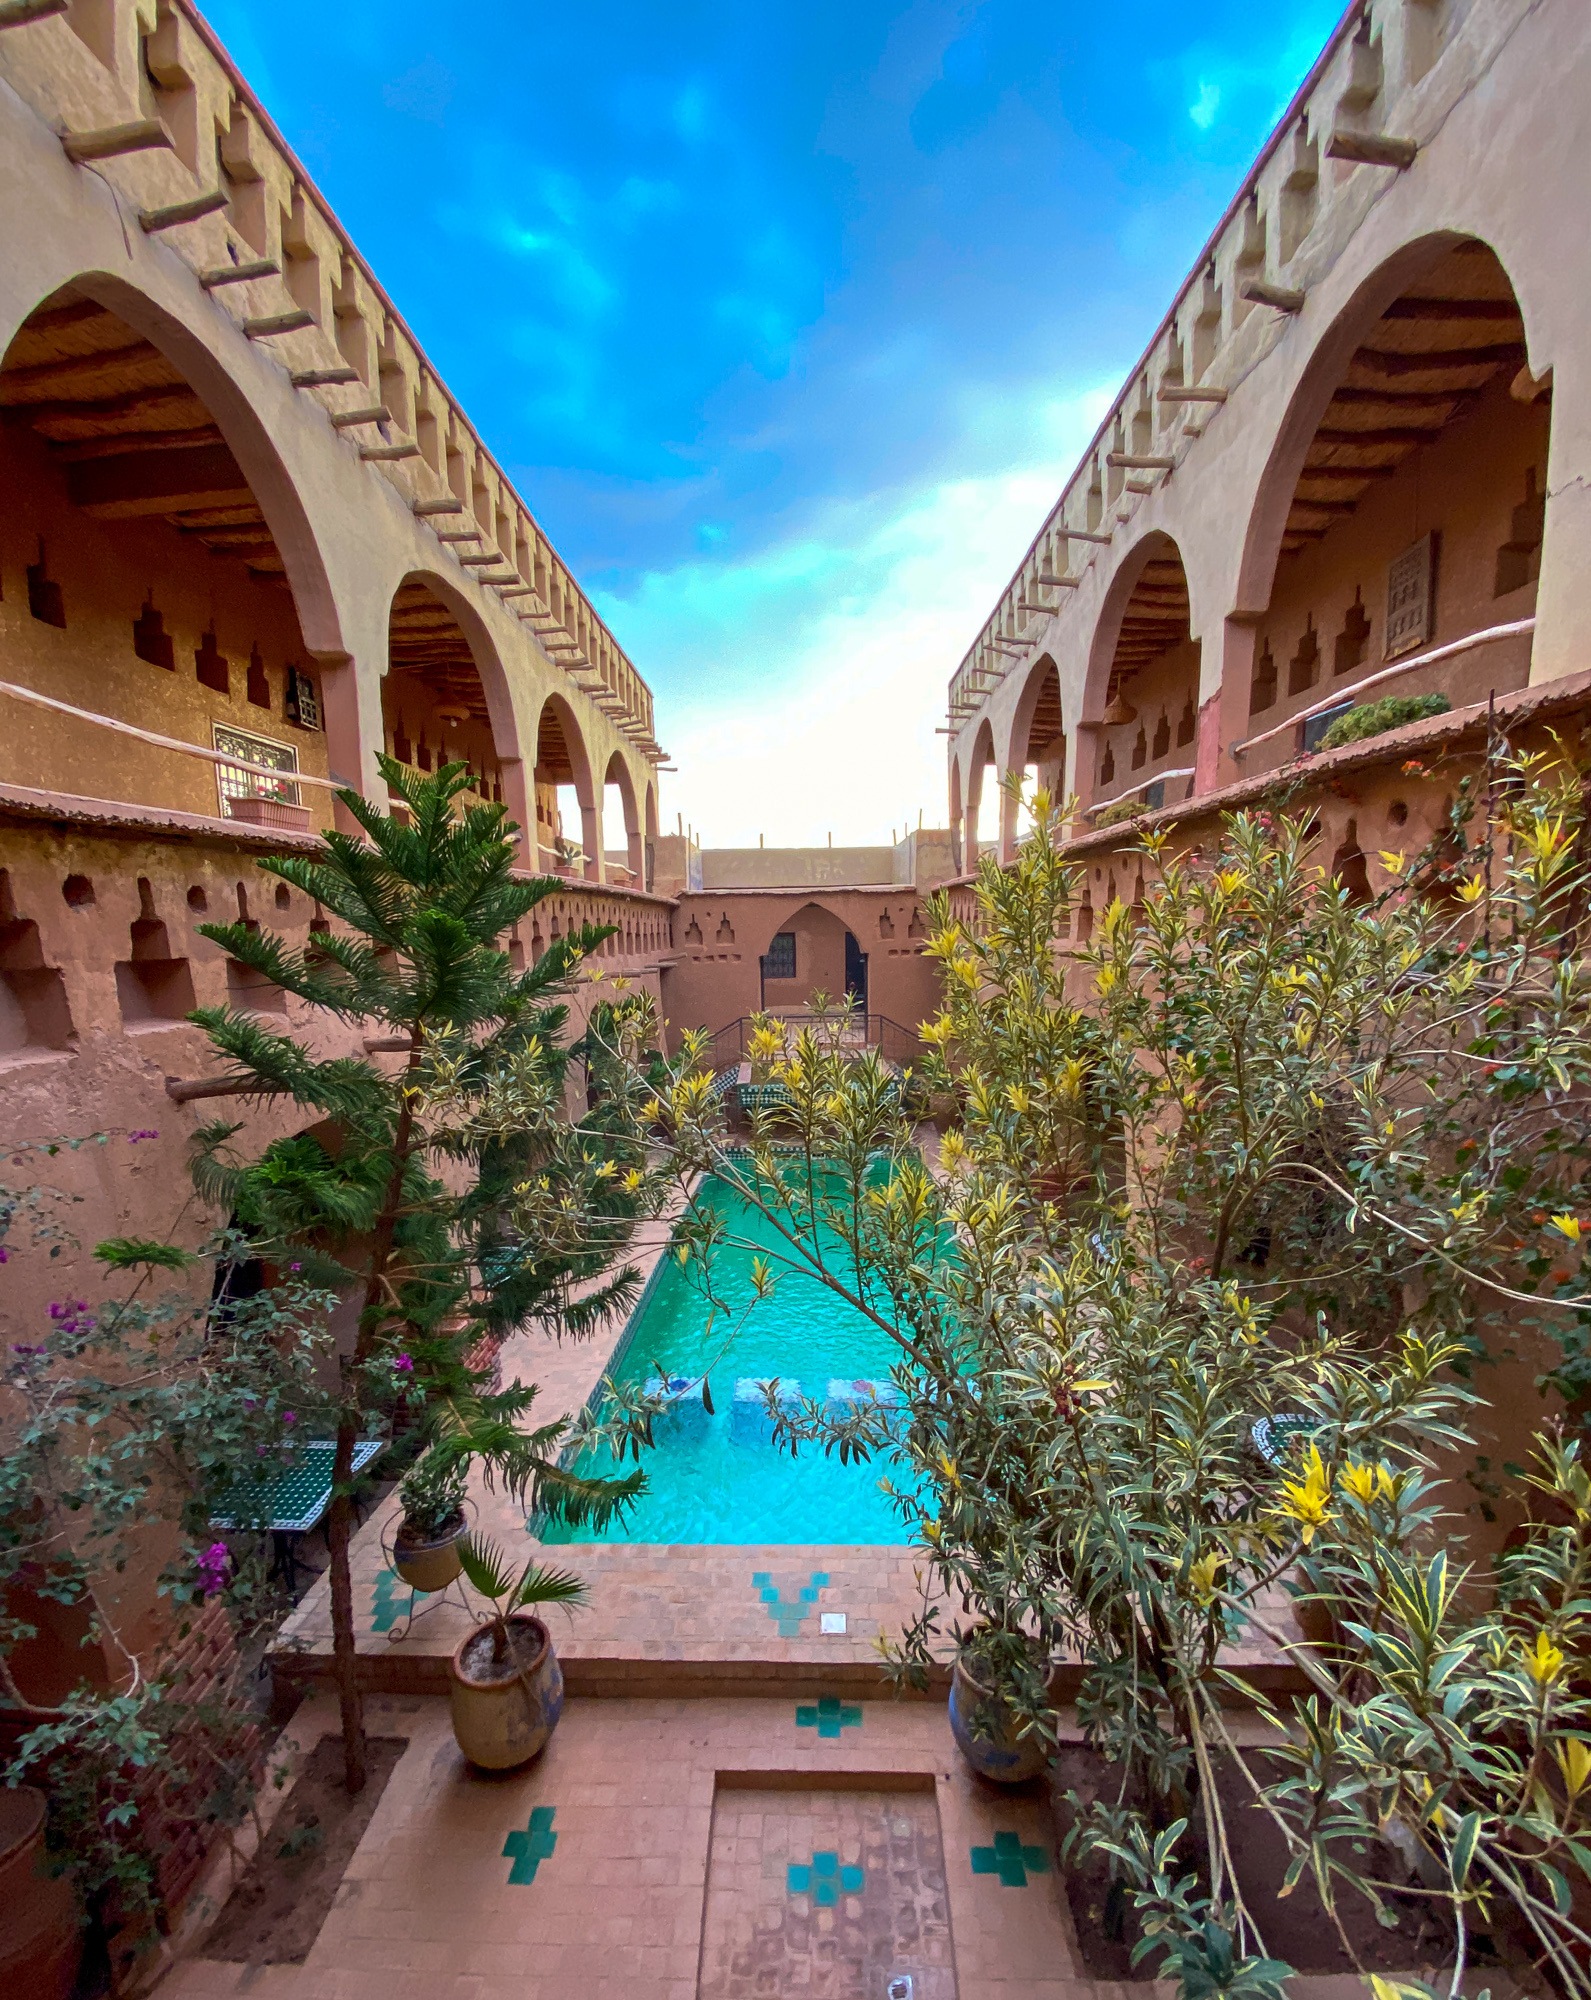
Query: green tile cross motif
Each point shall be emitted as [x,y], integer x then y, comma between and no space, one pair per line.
[528,1850]
[1010,1860]
[824,1880]
[828,1715]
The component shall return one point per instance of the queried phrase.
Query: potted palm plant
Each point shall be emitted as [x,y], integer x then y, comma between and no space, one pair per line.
[506,1684]
[464,1430]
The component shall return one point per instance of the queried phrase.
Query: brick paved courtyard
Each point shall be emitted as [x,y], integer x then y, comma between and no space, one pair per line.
[733,1806]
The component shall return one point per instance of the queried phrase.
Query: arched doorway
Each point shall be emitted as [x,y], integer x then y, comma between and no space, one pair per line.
[162,579]
[1144,678]
[435,707]
[568,824]
[813,954]
[1402,512]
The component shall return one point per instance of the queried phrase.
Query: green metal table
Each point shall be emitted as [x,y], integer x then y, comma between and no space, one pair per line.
[294,1503]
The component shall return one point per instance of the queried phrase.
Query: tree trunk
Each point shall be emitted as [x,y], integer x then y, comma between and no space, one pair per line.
[345,1662]
[344,1652]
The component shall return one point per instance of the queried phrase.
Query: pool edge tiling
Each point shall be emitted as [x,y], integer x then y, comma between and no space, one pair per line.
[680,1619]
[715,1476]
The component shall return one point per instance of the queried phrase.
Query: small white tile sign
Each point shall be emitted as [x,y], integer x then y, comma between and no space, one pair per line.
[831,1621]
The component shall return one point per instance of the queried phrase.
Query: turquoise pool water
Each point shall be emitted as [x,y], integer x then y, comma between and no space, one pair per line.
[719,1478]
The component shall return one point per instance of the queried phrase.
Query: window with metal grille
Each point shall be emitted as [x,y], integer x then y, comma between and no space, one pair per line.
[779,962]
[260,750]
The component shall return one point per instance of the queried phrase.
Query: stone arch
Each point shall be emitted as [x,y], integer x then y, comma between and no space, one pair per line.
[244,432]
[1367,473]
[165,533]
[820,933]
[1317,384]
[1143,642]
[956,846]
[618,775]
[1038,739]
[981,759]
[445,678]
[562,759]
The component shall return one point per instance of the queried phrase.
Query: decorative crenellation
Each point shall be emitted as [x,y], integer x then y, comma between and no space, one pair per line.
[1345,131]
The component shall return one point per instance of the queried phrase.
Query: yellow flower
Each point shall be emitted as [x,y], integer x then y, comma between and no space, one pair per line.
[1574,1760]
[1204,1575]
[1568,1225]
[1020,1102]
[1308,1500]
[1394,864]
[1368,1482]
[1106,979]
[1472,890]
[1546,1662]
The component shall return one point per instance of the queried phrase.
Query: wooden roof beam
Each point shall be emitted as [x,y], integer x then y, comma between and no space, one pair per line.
[158,482]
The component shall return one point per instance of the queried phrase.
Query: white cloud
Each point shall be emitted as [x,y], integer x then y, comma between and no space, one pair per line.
[1206,104]
[799,690]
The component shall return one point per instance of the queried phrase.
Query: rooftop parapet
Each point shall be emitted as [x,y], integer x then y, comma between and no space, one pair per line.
[1351,125]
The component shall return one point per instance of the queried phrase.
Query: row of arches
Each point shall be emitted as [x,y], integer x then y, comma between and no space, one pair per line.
[159,569]
[1399,512]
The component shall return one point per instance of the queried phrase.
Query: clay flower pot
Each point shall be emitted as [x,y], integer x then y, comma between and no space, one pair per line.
[985,1731]
[503,1714]
[41,1935]
[427,1562]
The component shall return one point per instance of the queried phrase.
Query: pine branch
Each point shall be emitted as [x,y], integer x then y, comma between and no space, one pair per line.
[342,1087]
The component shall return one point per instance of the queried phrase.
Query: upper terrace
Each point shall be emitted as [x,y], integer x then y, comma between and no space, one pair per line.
[224,445]
[1345,464]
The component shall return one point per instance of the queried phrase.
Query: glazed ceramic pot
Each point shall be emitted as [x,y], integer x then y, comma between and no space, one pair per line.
[427,1562]
[503,1715]
[985,1731]
[40,1936]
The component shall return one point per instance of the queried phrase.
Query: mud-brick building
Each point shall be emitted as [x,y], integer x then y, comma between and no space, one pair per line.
[248,540]
[1352,462]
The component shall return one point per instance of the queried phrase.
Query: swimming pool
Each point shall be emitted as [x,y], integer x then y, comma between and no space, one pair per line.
[719,1477]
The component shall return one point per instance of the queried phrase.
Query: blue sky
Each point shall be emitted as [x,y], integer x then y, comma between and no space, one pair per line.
[788,321]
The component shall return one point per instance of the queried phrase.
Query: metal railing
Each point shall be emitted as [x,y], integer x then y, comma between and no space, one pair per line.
[851,1028]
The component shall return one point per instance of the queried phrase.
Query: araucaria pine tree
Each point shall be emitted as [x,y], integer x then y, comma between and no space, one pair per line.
[439,1179]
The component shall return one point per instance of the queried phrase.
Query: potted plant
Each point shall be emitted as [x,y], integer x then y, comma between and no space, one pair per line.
[431,1495]
[987,1705]
[506,1684]
[41,1946]
[467,1429]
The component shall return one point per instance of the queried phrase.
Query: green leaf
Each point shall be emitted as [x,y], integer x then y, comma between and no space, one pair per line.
[1463,1850]
[485,1566]
[1557,1887]
[548,1586]
[126,1253]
